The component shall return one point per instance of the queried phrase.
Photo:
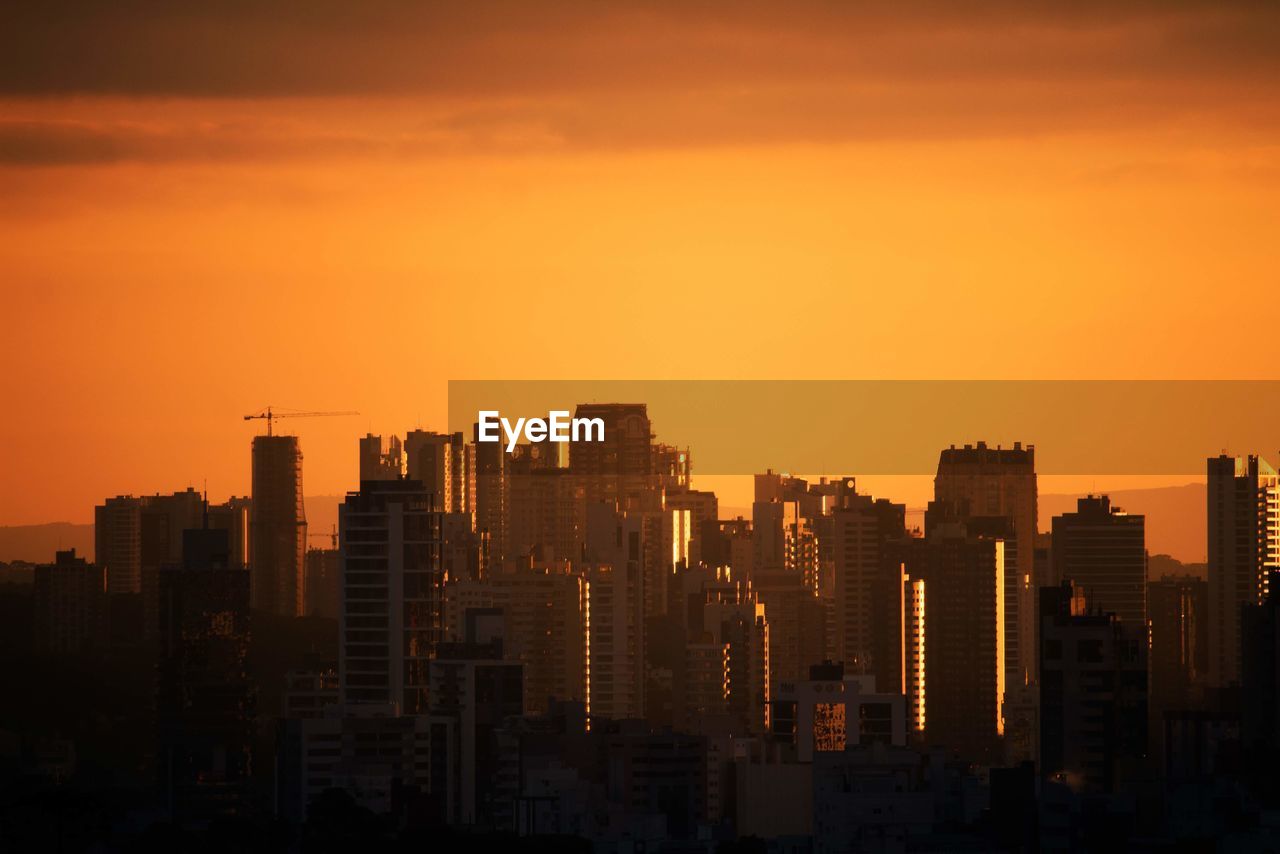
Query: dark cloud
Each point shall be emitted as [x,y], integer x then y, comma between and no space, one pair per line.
[323,47]
[597,75]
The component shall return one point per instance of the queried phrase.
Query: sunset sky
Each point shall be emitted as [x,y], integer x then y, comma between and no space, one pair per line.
[326,205]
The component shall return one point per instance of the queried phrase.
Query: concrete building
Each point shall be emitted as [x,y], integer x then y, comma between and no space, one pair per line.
[1001,482]
[545,616]
[324,583]
[1244,549]
[942,631]
[388,763]
[797,624]
[475,687]
[1103,551]
[393,604]
[616,641]
[1177,615]
[620,470]
[137,535]
[491,496]
[860,528]
[70,599]
[444,463]
[381,458]
[117,529]
[308,693]
[1093,693]
[279,527]
[831,712]
[205,697]
[703,507]
[878,798]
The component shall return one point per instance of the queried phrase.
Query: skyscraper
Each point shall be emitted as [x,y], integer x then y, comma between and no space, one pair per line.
[545,616]
[860,529]
[392,607]
[205,701]
[1176,615]
[964,626]
[444,464]
[1102,550]
[1244,549]
[1093,693]
[619,470]
[117,530]
[137,535]
[279,527]
[381,458]
[1001,482]
[491,496]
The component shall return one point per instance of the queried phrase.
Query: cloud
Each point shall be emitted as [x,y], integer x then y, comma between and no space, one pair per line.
[505,76]
[323,47]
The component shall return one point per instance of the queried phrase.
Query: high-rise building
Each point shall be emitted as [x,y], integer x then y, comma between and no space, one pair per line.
[1244,549]
[1093,693]
[233,517]
[728,613]
[381,458]
[205,699]
[117,529]
[616,641]
[664,538]
[860,528]
[702,695]
[475,686]
[491,496]
[444,464]
[619,470]
[768,539]
[614,553]
[797,624]
[1177,611]
[324,583]
[279,527]
[1001,482]
[135,536]
[546,511]
[1260,679]
[1102,550]
[963,640]
[70,606]
[729,543]
[545,616]
[703,507]
[393,604]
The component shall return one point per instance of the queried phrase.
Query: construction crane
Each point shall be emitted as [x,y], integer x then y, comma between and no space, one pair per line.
[270,416]
[334,535]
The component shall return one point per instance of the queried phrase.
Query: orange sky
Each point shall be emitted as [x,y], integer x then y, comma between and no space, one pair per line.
[202,216]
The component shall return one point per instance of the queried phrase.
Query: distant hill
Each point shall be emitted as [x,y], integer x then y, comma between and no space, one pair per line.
[37,543]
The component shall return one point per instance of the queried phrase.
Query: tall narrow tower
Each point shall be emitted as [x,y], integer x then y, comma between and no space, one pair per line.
[1244,549]
[1000,484]
[279,526]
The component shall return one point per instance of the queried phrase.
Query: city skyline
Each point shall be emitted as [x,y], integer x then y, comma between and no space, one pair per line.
[873,183]
[616,426]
